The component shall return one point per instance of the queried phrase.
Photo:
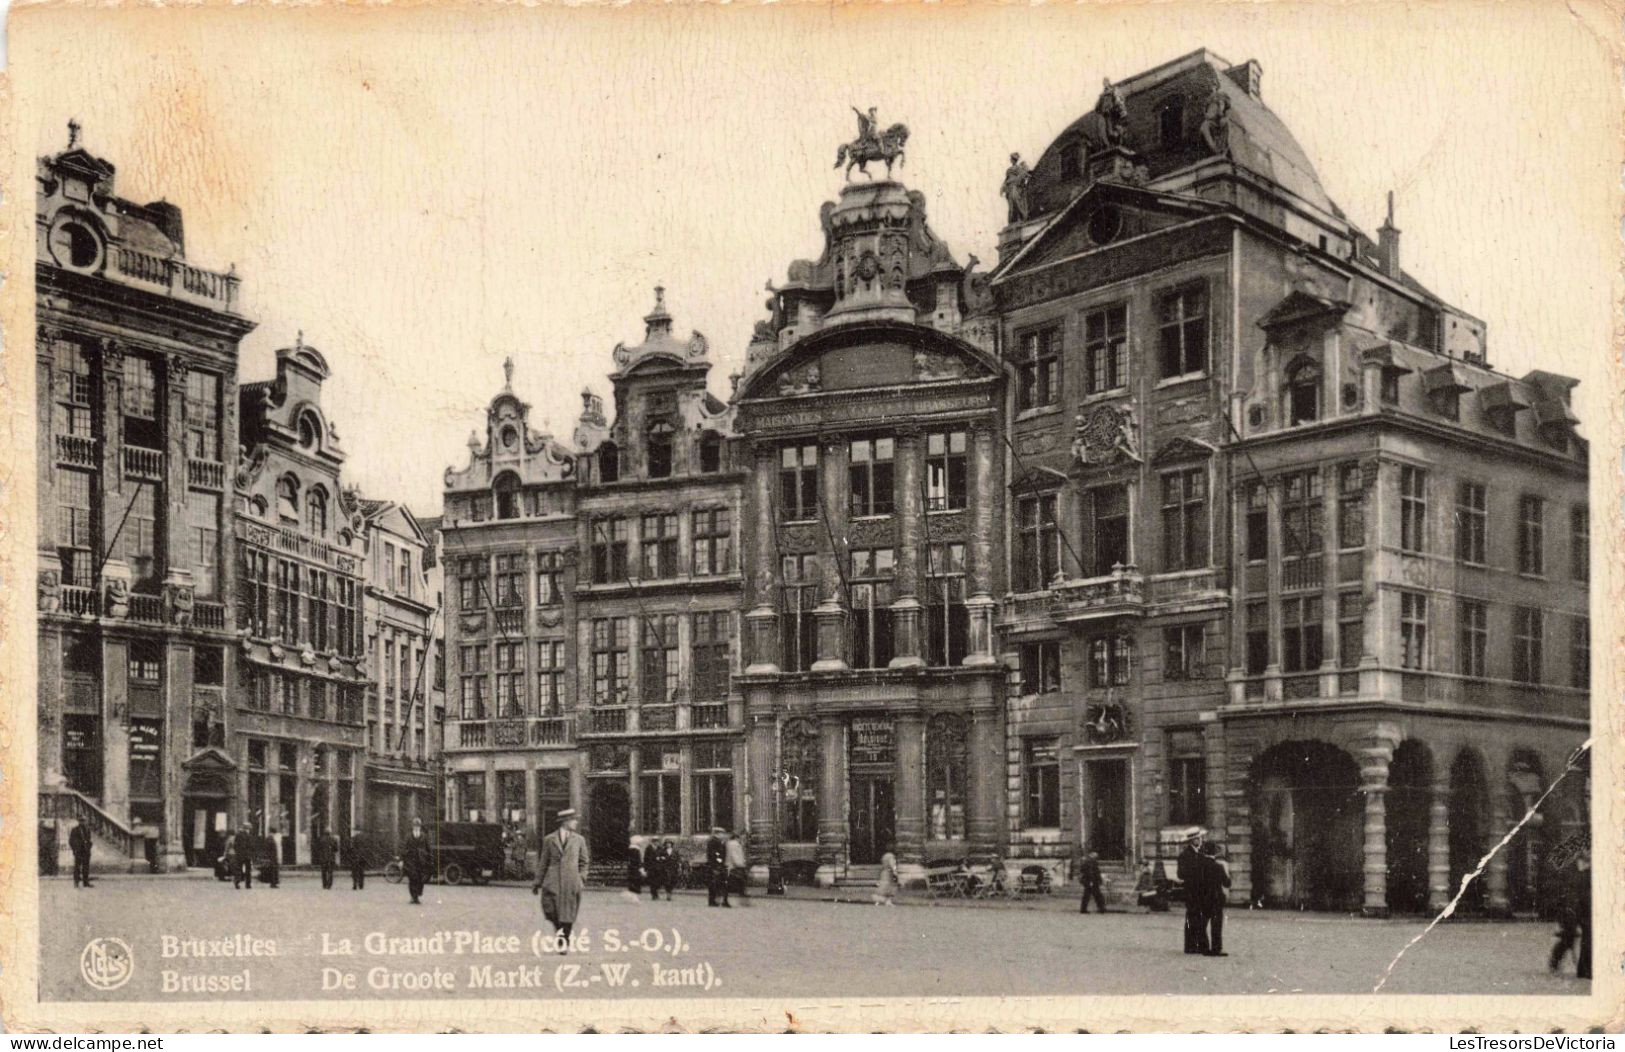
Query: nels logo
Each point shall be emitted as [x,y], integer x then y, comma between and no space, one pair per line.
[106,963]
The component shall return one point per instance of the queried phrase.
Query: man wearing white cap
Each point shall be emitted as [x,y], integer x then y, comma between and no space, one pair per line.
[561,874]
[1192,877]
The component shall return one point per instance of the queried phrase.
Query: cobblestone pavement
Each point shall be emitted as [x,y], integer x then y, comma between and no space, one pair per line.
[802,946]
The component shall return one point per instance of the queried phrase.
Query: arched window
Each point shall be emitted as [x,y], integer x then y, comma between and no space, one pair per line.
[309,431]
[660,451]
[506,488]
[710,453]
[799,758]
[1302,392]
[316,512]
[945,771]
[609,463]
[287,498]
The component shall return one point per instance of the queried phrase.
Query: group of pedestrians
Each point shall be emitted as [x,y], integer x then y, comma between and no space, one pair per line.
[243,851]
[651,863]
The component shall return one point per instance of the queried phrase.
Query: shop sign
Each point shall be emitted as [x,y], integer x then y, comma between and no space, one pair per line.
[872,741]
[144,743]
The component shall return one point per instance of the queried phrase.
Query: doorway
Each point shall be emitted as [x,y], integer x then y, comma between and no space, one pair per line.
[203,830]
[1107,833]
[82,753]
[873,824]
[609,819]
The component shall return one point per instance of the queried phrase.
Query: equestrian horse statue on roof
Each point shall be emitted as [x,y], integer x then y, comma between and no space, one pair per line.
[872,145]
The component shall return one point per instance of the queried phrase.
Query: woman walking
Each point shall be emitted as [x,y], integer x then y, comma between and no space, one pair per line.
[886,889]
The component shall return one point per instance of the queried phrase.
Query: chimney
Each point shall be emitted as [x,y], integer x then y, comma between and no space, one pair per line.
[1388,243]
[1248,75]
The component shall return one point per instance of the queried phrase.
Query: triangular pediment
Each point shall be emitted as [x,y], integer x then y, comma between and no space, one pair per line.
[1180,449]
[209,759]
[1105,214]
[1298,306]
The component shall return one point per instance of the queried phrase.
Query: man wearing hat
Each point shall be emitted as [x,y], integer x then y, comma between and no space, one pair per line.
[1193,876]
[561,873]
[716,867]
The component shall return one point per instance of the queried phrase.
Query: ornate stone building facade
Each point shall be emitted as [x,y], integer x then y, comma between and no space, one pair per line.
[136,377]
[872,410]
[658,598]
[405,698]
[509,561]
[1270,504]
[299,742]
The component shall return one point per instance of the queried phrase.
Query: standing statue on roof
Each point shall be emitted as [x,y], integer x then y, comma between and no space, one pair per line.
[1113,113]
[1016,179]
[1216,123]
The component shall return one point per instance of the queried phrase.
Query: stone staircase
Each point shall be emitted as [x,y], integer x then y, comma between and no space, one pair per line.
[858,877]
[116,848]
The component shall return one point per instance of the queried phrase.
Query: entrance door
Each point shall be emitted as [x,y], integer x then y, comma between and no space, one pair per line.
[872,822]
[202,831]
[609,820]
[1108,810]
[82,754]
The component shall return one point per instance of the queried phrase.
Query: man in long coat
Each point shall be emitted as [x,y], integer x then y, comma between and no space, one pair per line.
[417,860]
[1089,875]
[1216,881]
[327,856]
[561,873]
[79,843]
[716,868]
[356,855]
[1193,876]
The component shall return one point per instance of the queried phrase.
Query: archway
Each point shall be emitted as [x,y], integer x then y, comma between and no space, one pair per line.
[609,819]
[1526,854]
[1409,806]
[1469,824]
[1307,813]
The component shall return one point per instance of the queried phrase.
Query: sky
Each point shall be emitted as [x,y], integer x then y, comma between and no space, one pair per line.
[423,193]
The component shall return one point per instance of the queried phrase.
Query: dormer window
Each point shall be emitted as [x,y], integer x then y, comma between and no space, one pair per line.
[506,489]
[316,513]
[1171,122]
[1302,392]
[287,498]
[609,463]
[660,451]
[1071,159]
[710,453]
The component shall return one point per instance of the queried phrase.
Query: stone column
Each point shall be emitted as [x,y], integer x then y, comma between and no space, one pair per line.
[176,744]
[116,729]
[831,613]
[1374,785]
[906,611]
[764,791]
[1277,534]
[1377,628]
[832,830]
[1330,684]
[910,796]
[763,619]
[1239,814]
[986,760]
[980,607]
[634,803]
[1439,890]
[1496,902]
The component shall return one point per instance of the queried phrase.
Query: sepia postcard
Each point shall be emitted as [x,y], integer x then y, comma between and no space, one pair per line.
[812,517]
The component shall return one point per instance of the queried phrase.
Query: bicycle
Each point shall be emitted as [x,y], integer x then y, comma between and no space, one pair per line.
[395,870]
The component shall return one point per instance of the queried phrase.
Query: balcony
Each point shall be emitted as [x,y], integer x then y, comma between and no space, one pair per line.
[609,720]
[471,735]
[77,450]
[1033,612]
[510,621]
[205,474]
[142,463]
[708,716]
[1301,573]
[174,277]
[148,608]
[80,602]
[552,730]
[209,615]
[1120,593]
[1189,589]
[657,718]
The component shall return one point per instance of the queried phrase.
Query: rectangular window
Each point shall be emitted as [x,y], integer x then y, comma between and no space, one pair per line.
[1472,522]
[800,630]
[471,587]
[1041,783]
[1187,790]
[1041,667]
[1183,652]
[75,498]
[403,575]
[872,645]
[1182,331]
[203,536]
[75,382]
[1111,660]
[1258,638]
[1105,348]
[1110,507]
[1350,506]
[658,671]
[1258,523]
[870,476]
[1413,630]
[945,484]
[1472,646]
[1580,653]
[1038,369]
[550,677]
[658,546]
[202,415]
[138,541]
[947,628]
[140,389]
[1350,629]
[712,785]
[1527,644]
[1531,535]
[1413,510]
[798,482]
[708,656]
[316,610]
[1038,554]
[713,542]
[1580,542]
[1184,520]
[609,545]
[549,578]
[1303,518]
[1301,640]
[609,661]
[287,600]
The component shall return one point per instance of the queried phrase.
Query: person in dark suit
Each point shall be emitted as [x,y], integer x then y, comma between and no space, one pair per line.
[1216,882]
[417,860]
[243,844]
[716,868]
[655,860]
[1089,875]
[1574,917]
[357,857]
[1193,876]
[269,851]
[79,843]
